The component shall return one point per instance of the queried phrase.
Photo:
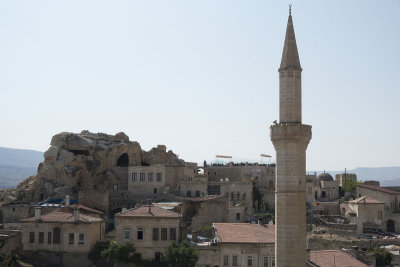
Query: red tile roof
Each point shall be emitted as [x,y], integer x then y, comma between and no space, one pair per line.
[83,207]
[366,200]
[244,233]
[378,188]
[330,258]
[64,217]
[147,211]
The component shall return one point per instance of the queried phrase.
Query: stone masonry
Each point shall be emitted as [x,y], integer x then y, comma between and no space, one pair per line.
[290,138]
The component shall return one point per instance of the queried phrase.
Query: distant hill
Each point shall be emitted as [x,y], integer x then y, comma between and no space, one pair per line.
[17,164]
[387,176]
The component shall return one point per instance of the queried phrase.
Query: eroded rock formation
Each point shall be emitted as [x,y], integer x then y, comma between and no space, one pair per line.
[85,161]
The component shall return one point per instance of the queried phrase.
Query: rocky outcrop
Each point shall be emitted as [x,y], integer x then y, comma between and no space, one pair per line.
[85,161]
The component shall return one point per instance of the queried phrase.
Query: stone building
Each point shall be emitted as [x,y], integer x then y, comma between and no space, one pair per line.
[239,244]
[391,199]
[364,211]
[239,193]
[151,229]
[61,237]
[322,188]
[290,139]
[205,210]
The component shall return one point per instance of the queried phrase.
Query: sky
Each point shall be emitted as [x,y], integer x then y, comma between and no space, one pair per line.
[201,77]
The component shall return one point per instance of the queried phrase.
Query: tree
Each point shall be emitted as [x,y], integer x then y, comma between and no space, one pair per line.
[182,255]
[95,253]
[383,257]
[9,260]
[120,252]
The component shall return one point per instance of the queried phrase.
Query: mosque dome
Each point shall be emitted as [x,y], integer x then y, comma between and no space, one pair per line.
[325,177]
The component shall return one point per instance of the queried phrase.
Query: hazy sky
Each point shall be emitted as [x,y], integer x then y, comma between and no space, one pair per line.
[201,77]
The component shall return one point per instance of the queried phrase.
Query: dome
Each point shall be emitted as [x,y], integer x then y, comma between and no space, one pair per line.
[325,177]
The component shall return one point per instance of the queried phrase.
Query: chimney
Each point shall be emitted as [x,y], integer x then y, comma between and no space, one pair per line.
[150,209]
[67,201]
[76,214]
[37,213]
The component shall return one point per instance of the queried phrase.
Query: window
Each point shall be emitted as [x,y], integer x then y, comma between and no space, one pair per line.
[32,237]
[237,216]
[115,187]
[140,234]
[164,234]
[159,177]
[155,190]
[172,234]
[56,235]
[272,261]
[49,238]
[127,234]
[41,237]
[265,262]
[379,215]
[134,177]
[81,239]
[244,196]
[249,261]
[142,177]
[197,193]
[71,238]
[155,233]
[150,177]
[234,260]
[188,193]
[238,196]
[226,260]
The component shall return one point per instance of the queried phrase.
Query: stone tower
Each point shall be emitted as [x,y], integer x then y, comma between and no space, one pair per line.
[290,138]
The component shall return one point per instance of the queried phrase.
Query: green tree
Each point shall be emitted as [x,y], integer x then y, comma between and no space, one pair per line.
[120,252]
[95,253]
[349,185]
[182,255]
[9,260]
[383,257]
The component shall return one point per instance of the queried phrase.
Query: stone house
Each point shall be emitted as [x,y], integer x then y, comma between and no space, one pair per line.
[321,188]
[390,198]
[61,237]
[239,244]
[196,211]
[151,229]
[239,193]
[364,211]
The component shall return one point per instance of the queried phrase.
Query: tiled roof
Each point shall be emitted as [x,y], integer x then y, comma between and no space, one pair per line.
[366,200]
[202,198]
[378,188]
[148,211]
[329,258]
[244,233]
[83,207]
[63,217]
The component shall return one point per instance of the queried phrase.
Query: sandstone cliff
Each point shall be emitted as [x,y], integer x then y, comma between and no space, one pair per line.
[85,161]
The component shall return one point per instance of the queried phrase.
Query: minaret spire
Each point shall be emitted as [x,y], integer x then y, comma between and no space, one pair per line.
[290,55]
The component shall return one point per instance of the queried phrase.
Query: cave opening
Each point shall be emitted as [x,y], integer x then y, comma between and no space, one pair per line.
[123,160]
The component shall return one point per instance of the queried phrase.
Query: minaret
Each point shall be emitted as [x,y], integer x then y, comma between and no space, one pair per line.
[290,138]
